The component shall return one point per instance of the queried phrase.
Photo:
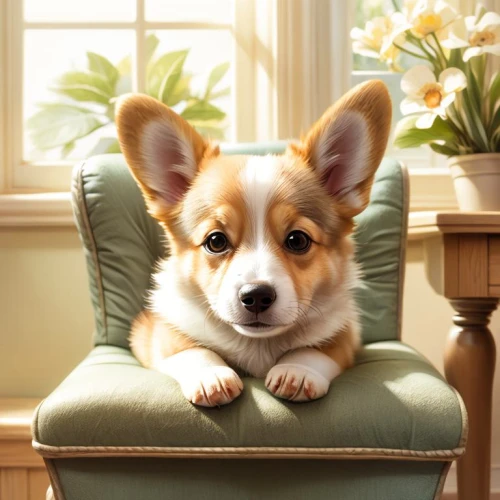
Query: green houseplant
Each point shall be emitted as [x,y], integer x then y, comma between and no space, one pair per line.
[452,99]
[85,100]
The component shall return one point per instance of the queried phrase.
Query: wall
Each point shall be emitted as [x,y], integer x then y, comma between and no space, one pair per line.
[45,314]
[46,319]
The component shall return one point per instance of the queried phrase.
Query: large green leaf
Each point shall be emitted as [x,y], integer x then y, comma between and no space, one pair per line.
[444,149]
[181,91]
[102,66]
[152,42]
[202,111]
[171,79]
[125,66]
[407,135]
[158,70]
[59,124]
[216,75]
[84,86]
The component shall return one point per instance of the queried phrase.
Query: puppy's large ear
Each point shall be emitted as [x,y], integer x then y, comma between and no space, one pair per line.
[162,150]
[348,142]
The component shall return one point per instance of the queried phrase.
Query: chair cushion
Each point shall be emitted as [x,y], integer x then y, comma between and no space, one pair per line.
[122,243]
[393,403]
[271,479]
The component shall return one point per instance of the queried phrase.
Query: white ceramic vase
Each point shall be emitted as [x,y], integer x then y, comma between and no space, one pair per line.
[477,181]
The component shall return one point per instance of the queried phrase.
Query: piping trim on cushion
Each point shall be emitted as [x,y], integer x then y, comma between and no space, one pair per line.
[87,227]
[55,482]
[442,479]
[48,451]
[465,419]
[403,243]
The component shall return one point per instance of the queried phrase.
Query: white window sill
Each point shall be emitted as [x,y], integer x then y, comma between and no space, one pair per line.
[36,210]
[431,190]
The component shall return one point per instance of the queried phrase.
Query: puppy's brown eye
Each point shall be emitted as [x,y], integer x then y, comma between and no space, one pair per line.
[216,243]
[298,242]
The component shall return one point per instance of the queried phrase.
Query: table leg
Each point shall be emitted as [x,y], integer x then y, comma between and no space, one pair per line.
[469,367]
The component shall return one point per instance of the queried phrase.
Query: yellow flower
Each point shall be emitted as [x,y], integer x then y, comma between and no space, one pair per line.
[429,96]
[431,16]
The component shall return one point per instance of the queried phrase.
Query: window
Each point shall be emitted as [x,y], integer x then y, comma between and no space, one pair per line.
[280,65]
[66,60]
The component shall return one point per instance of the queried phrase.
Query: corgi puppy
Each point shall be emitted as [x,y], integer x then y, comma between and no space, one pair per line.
[261,271]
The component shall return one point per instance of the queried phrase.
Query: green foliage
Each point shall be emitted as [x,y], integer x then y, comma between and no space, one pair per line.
[202,111]
[84,86]
[215,77]
[165,73]
[86,99]
[61,125]
[408,135]
[100,65]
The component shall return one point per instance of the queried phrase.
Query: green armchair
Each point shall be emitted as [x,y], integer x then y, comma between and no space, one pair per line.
[388,429]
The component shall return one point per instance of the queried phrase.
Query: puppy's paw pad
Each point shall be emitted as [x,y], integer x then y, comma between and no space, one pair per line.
[212,386]
[296,383]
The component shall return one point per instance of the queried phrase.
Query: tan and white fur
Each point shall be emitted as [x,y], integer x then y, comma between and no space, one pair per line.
[235,292]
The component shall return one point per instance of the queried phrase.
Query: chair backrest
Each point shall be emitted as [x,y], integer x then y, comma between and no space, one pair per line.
[122,243]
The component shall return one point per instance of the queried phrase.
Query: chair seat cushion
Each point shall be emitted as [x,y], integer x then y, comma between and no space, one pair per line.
[393,403]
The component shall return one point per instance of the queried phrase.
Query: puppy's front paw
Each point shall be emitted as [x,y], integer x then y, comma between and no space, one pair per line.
[296,383]
[212,386]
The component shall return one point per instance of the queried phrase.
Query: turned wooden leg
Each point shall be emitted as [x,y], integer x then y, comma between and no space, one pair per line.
[469,367]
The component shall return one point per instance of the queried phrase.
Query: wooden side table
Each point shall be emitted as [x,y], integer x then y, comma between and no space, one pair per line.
[462,255]
[22,471]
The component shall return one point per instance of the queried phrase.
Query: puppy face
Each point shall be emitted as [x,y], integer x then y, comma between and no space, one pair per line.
[263,239]
[260,238]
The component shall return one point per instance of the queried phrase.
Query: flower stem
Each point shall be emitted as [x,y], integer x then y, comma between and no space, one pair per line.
[430,56]
[411,53]
[395,5]
[440,50]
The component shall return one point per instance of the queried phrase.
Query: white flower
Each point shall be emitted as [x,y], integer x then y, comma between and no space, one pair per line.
[399,24]
[481,36]
[409,7]
[456,36]
[484,35]
[368,42]
[429,96]
[373,41]
[431,16]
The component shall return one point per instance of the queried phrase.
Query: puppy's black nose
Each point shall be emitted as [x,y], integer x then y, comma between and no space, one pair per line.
[257,297]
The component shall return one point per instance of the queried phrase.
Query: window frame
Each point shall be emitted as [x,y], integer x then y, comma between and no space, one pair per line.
[266,35]
[20,176]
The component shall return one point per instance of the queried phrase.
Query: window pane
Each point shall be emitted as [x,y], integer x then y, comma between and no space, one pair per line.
[57,71]
[216,11]
[206,50]
[79,10]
